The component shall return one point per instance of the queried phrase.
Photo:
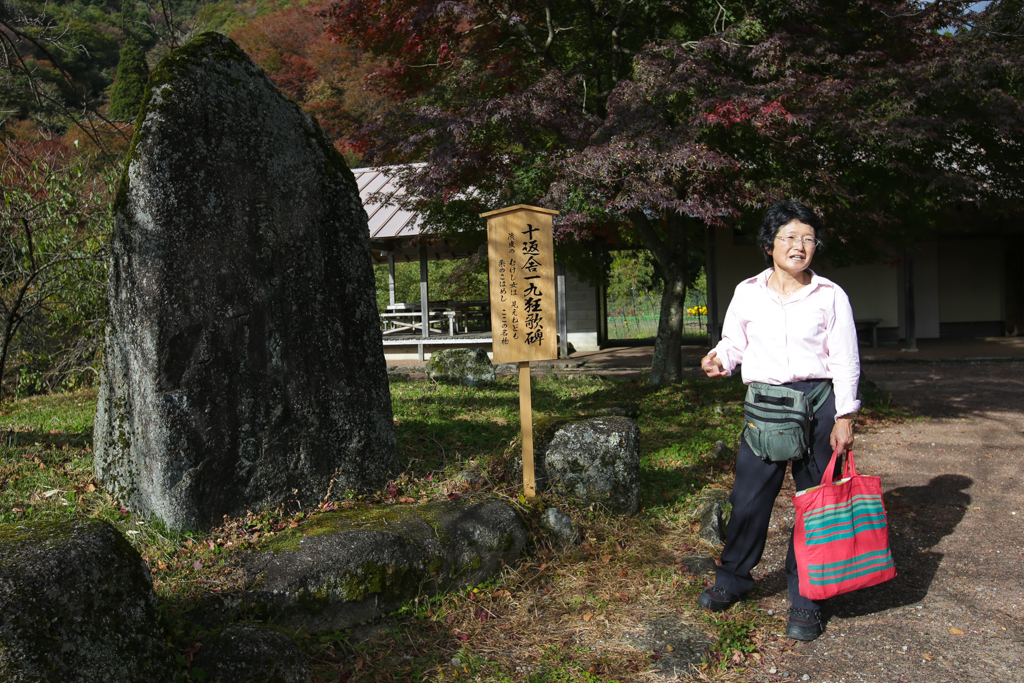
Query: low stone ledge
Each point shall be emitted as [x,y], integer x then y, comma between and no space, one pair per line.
[342,568]
[77,604]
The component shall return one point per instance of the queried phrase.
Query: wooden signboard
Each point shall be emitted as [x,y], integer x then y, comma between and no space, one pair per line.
[521,257]
[521,261]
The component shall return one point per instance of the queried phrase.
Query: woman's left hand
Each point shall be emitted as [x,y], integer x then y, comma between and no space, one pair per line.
[842,435]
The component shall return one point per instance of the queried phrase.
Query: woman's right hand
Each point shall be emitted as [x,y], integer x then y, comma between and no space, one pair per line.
[711,366]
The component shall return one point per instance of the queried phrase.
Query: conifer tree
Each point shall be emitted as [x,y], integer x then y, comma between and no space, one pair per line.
[130,83]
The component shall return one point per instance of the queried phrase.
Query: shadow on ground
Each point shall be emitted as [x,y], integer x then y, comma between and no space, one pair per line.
[919,517]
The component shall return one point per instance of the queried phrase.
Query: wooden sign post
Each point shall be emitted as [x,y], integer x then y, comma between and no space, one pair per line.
[521,259]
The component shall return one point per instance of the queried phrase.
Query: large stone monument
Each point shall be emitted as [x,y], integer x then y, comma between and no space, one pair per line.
[243,363]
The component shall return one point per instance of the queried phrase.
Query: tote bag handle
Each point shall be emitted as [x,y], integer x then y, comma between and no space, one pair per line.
[851,468]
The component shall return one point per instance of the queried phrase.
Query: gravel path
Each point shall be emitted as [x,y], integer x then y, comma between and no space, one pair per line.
[952,482]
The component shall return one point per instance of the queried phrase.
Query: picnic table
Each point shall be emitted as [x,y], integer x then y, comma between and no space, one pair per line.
[398,321]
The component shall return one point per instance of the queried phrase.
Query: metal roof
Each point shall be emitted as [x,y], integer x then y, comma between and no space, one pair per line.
[395,231]
[387,220]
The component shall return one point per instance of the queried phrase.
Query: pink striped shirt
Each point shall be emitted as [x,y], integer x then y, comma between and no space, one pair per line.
[811,336]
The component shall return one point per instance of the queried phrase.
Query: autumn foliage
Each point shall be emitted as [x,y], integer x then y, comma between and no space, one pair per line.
[322,74]
[668,117]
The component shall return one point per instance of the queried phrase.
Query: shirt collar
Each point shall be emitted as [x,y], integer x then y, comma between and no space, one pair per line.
[816,281]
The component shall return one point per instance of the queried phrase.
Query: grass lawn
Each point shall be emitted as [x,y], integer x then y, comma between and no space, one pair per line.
[557,615]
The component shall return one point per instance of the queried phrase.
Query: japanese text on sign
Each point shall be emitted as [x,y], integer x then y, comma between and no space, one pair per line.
[522,284]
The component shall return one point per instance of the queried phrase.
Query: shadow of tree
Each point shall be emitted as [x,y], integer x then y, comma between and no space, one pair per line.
[51,440]
[952,390]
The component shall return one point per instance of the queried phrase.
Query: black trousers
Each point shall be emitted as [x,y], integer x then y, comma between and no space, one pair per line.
[753,495]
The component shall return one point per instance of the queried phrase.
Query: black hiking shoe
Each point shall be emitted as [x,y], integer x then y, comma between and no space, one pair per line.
[717,599]
[804,624]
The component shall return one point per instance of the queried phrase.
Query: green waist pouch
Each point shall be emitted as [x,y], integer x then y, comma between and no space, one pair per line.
[778,420]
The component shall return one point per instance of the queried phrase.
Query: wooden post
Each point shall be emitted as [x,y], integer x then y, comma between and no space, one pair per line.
[524,303]
[526,425]
[563,324]
[424,296]
[391,279]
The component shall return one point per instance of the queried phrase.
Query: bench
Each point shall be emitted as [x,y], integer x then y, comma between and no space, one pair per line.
[868,324]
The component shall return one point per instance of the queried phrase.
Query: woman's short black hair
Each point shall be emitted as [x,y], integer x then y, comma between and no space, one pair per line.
[779,215]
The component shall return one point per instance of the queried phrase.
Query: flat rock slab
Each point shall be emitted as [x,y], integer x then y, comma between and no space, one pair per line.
[243,364]
[344,567]
[248,653]
[77,604]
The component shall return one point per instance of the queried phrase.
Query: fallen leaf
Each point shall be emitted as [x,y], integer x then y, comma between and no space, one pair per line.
[605,559]
[51,493]
[622,596]
[670,648]
[212,545]
[588,616]
[161,565]
[623,574]
[198,564]
[191,651]
[956,632]
[292,523]
[90,487]
[928,657]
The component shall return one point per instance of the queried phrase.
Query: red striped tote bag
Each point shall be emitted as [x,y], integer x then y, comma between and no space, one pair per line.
[841,539]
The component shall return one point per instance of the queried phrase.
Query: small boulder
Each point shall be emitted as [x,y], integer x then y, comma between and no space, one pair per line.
[697,564]
[468,367]
[594,460]
[560,525]
[721,452]
[77,604]
[713,517]
[344,567]
[246,653]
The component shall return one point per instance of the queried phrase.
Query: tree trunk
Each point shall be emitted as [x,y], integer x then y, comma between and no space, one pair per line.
[671,254]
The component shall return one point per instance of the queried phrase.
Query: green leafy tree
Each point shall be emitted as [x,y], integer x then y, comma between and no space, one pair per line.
[54,227]
[130,85]
[665,118]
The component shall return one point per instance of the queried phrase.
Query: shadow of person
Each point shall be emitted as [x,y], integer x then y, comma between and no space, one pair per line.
[919,517]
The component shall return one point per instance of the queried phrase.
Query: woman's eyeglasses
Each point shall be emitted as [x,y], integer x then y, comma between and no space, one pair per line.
[791,240]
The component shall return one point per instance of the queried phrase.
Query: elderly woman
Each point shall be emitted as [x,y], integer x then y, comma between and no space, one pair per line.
[788,327]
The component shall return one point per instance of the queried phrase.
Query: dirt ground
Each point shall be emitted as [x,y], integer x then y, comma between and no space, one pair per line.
[952,489]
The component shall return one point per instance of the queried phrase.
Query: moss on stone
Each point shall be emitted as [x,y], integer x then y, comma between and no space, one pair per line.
[362,517]
[95,605]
